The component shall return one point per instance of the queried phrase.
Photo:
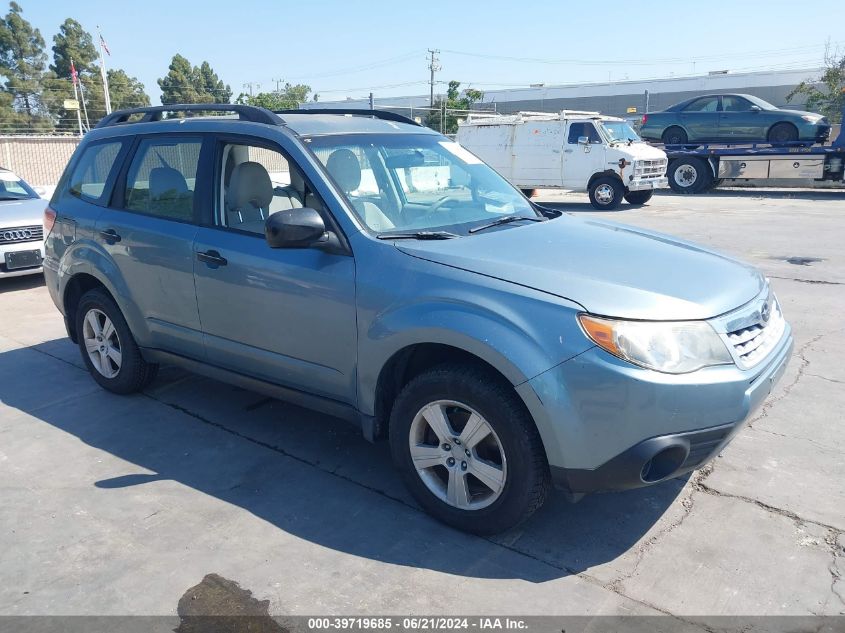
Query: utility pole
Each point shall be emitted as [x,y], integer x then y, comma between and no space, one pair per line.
[250,84]
[278,84]
[433,66]
[372,102]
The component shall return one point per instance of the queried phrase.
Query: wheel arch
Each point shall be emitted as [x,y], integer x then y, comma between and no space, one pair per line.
[607,173]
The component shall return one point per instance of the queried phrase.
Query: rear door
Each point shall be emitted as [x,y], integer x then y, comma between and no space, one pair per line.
[701,119]
[148,231]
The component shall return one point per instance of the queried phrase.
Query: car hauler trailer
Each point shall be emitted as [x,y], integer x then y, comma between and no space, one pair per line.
[703,167]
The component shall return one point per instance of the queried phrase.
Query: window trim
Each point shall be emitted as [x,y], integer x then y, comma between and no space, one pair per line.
[216,152]
[111,179]
[118,196]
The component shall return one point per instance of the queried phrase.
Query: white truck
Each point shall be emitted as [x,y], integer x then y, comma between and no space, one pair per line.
[579,151]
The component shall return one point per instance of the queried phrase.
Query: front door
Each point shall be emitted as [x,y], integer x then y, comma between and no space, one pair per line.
[148,231]
[286,316]
[701,119]
[582,159]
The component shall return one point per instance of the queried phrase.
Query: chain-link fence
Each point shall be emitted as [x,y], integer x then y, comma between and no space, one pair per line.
[39,160]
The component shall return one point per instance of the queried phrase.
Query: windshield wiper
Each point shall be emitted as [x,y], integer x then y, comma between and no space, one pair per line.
[505,220]
[419,235]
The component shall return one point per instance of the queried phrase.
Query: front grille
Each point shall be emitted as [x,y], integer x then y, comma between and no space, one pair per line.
[651,168]
[753,343]
[702,444]
[21,234]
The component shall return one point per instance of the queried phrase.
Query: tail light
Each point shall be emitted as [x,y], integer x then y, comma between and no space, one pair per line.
[49,220]
[645,118]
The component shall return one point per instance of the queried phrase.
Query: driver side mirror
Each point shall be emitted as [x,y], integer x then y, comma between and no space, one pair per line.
[583,140]
[300,227]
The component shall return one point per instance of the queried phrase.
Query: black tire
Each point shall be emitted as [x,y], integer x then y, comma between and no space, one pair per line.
[528,193]
[527,479]
[639,197]
[134,373]
[674,135]
[689,175]
[783,133]
[606,193]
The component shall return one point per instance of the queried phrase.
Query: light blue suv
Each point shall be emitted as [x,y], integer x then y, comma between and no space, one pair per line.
[365,266]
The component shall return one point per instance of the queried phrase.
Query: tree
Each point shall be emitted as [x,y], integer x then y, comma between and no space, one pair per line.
[447,122]
[72,42]
[286,98]
[126,91]
[191,84]
[830,100]
[23,63]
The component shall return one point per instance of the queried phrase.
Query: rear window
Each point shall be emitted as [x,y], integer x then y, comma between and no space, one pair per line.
[89,177]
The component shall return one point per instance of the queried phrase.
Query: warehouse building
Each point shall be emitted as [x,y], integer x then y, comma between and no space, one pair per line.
[618,98]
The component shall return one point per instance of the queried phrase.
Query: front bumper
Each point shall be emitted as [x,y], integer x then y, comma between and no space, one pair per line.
[645,184]
[17,247]
[608,425]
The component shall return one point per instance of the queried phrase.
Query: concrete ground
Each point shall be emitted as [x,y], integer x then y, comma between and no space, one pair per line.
[119,505]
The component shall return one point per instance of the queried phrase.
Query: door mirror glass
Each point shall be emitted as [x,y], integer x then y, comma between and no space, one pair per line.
[583,140]
[755,108]
[301,227]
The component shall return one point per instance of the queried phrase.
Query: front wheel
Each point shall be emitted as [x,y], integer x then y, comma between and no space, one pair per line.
[467,449]
[783,133]
[606,193]
[639,197]
[108,348]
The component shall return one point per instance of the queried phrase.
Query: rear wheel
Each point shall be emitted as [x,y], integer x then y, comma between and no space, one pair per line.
[674,136]
[639,197]
[689,175]
[606,193]
[467,449]
[783,133]
[107,346]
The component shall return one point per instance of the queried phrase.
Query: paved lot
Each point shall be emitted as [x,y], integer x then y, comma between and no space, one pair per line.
[118,505]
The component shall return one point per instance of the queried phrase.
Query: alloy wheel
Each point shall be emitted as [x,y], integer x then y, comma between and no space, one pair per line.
[102,343]
[457,455]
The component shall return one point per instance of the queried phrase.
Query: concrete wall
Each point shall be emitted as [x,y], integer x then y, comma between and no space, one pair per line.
[39,160]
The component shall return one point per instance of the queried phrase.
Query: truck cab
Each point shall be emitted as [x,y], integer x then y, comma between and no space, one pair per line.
[579,151]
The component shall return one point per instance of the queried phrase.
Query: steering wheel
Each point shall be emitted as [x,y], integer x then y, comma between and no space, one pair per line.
[441,202]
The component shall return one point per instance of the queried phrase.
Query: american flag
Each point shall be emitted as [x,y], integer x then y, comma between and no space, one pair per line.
[74,76]
[103,44]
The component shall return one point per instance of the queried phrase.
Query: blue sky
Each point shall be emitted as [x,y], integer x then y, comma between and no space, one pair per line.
[349,48]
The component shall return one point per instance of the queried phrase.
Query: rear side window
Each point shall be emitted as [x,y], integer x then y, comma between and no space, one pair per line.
[89,177]
[162,178]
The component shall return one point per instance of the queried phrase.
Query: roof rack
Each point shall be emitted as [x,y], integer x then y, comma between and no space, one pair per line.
[155,113]
[384,115]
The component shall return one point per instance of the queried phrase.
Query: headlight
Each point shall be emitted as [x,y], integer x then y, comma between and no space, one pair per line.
[670,347]
[812,118]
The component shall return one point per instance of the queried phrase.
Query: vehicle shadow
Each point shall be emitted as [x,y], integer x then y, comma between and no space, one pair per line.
[310,475]
[27,282]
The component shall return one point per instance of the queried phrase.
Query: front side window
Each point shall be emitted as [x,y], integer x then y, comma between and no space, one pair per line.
[162,178]
[88,180]
[705,104]
[583,128]
[413,182]
[735,104]
[256,182]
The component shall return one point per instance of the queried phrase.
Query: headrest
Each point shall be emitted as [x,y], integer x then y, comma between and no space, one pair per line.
[344,167]
[250,185]
[166,180]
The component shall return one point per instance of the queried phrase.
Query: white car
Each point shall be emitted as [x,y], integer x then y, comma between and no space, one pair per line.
[21,228]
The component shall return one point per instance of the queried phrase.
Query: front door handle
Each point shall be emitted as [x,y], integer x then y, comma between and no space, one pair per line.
[212,258]
[110,236]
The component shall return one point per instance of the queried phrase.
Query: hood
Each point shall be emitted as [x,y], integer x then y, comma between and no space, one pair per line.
[22,212]
[798,113]
[610,269]
[639,151]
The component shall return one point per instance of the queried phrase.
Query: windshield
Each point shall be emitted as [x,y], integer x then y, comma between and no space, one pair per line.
[413,182]
[619,131]
[13,188]
[765,105]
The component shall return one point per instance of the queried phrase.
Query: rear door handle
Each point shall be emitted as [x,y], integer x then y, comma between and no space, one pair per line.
[110,236]
[212,258]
